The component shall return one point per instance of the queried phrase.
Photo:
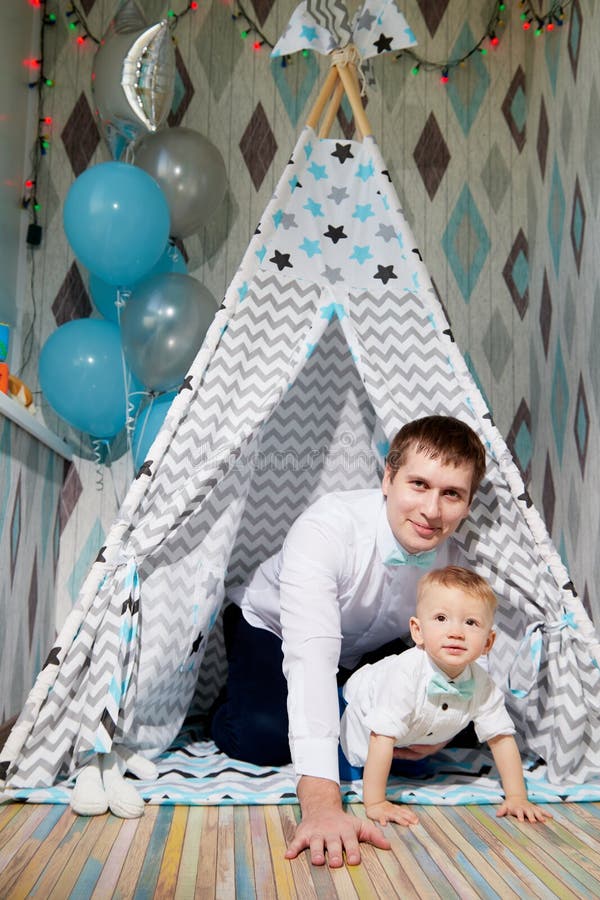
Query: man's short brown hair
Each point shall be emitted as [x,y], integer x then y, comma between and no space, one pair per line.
[439,437]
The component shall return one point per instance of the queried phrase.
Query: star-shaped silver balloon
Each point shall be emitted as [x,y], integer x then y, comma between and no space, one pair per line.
[133,77]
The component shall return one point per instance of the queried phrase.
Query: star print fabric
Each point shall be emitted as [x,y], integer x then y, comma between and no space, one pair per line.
[335,222]
[378,27]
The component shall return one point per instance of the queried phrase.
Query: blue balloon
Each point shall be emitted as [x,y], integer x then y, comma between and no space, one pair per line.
[116,219]
[82,376]
[105,295]
[148,424]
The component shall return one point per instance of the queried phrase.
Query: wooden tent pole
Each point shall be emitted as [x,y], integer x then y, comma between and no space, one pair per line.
[324,95]
[349,79]
[334,105]
[333,91]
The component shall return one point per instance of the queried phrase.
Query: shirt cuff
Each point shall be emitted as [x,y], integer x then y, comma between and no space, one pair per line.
[317,757]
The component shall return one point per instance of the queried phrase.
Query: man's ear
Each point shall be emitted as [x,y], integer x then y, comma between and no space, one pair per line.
[386,481]
[415,631]
[490,642]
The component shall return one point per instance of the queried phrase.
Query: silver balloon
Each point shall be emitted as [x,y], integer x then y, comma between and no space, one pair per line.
[133,77]
[163,325]
[191,172]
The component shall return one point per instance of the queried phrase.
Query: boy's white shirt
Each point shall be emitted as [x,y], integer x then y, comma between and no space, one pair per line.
[390,698]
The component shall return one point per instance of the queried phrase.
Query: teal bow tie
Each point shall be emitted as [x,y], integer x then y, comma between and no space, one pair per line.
[440,685]
[400,557]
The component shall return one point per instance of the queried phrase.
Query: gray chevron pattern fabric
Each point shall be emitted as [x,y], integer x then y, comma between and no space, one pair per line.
[333,17]
[329,339]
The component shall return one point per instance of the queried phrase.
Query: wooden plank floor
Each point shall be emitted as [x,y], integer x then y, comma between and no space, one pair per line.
[237,852]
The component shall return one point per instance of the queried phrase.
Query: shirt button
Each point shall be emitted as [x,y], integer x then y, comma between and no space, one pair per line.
[444,706]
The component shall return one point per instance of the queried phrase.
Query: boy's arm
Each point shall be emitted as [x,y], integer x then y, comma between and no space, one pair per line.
[375,776]
[377,768]
[508,762]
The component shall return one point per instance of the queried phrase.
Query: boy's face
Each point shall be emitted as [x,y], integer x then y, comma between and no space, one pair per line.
[426,500]
[454,628]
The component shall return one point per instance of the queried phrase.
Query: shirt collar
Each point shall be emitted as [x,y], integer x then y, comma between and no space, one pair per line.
[431,668]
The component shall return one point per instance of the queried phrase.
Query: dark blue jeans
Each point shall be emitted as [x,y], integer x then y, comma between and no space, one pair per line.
[250,720]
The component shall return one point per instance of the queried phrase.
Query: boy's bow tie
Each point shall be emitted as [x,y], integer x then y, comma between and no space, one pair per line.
[440,685]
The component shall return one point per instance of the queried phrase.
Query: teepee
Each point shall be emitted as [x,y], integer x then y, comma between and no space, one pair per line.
[330,338]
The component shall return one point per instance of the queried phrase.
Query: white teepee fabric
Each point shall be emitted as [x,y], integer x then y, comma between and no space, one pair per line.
[329,339]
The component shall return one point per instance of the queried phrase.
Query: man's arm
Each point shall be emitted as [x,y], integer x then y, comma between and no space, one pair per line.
[508,762]
[326,828]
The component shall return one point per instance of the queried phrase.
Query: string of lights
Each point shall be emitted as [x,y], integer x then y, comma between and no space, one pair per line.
[540,22]
[490,37]
[531,17]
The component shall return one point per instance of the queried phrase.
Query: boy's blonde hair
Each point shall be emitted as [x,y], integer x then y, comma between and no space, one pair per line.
[463,579]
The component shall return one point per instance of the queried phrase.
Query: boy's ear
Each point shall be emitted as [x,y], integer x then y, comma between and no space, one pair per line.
[415,631]
[490,642]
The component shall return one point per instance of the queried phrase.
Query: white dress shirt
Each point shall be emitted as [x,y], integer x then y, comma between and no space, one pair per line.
[390,697]
[330,598]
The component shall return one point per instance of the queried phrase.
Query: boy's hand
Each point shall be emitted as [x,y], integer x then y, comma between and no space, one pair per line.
[522,809]
[385,812]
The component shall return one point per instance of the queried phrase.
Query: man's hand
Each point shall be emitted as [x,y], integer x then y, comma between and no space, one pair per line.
[326,828]
[418,751]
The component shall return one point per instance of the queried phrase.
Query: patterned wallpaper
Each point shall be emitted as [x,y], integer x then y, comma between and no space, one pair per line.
[31,479]
[500,180]
[563,194]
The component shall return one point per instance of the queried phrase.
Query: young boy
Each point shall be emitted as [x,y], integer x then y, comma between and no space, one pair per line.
[429,693]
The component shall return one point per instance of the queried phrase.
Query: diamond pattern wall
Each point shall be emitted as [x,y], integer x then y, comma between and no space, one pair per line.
[466,242]
[577,224]
[574,42]
[556,215]
[559,407]
[543,134]
[80,135]
[514,108]
[258,146]
[516,273]
[496,172]
[495,177]
[431,156]
[72,300]
[565,285]
[468,87]
[581,425]
[432,12]
[30,479]
[520,442]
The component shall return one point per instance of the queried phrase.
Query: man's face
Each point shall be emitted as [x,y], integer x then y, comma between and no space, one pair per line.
[454,628]
[426,500]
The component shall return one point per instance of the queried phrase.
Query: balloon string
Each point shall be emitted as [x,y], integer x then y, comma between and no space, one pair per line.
[147,412]
[123,296]
[109,466]
[133,408]
[97,444]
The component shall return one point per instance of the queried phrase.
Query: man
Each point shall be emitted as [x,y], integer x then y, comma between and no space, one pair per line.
[343,584]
